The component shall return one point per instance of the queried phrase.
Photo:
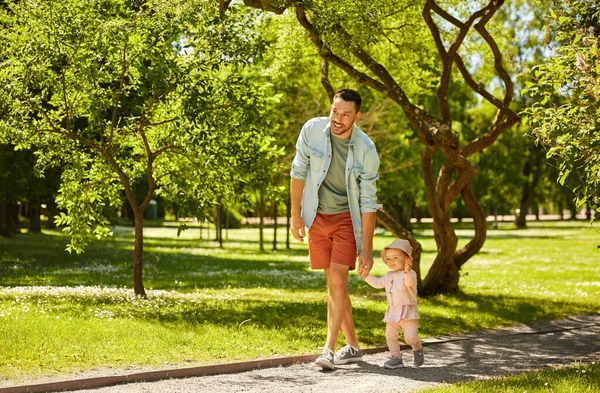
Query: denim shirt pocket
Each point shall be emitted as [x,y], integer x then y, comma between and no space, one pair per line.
[353,178]
[317,158]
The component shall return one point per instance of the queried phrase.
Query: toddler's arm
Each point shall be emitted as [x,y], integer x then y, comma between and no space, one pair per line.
[375,282]
[410,276]
[410,279]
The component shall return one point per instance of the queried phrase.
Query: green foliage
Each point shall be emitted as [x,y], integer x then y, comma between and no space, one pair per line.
[566,93]
[116,91]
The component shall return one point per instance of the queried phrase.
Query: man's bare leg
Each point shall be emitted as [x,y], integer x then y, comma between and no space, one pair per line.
[339,308]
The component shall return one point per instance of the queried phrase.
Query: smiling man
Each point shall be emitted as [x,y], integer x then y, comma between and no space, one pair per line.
[334,195]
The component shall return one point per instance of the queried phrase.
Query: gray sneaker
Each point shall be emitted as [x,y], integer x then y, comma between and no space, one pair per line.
[394,362]
[419,357]
[326,359]
[348,354]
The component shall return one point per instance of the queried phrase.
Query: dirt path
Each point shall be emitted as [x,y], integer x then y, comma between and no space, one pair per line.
[447,359]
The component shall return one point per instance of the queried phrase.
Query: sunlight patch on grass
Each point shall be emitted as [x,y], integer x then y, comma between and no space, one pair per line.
[579,378]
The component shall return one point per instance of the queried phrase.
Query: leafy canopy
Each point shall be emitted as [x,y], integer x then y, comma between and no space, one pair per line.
[565,89]
[116,91]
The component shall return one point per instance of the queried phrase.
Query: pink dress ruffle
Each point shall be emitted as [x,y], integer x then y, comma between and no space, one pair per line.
[398,313]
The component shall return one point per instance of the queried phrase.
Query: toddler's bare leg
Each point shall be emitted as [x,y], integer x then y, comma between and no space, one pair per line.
[392,330]
[411,337]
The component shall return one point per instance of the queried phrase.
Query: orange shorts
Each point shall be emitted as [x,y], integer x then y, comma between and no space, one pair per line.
[331,240]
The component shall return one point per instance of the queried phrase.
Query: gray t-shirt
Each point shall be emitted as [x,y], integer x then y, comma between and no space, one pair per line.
[333,198]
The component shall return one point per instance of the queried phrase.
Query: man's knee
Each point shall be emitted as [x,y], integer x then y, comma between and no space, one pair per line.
[338,279]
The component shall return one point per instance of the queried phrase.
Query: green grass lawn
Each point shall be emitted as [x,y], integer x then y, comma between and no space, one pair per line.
[65,313]
[581,378]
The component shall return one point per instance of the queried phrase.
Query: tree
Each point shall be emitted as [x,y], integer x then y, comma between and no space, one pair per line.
[390,46]
[565,90]
[116,91]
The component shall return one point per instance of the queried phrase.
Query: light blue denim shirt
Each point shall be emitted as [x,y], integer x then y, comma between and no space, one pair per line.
[313,156]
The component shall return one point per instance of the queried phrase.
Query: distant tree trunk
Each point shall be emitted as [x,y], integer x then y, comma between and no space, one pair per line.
[226,213]
[573,212]
[35,223]
[588,211]
[532,172]
[560,210]
[4,220]
[219,225]
[261,225]
[51,211]
[274,225]
[13,218]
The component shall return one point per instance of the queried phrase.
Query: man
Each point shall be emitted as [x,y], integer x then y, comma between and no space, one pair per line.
[334,195]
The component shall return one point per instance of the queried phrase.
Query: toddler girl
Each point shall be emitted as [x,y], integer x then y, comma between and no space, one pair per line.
[400,285]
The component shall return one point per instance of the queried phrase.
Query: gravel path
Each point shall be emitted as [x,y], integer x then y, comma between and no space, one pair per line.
[447,360]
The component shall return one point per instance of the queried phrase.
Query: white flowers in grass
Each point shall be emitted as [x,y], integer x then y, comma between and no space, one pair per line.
[102,302]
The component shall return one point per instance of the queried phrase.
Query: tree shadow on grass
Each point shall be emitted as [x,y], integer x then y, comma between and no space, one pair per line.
[37,259]
[274,315]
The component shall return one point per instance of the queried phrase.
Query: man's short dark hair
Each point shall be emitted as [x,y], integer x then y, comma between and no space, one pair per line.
[349,95]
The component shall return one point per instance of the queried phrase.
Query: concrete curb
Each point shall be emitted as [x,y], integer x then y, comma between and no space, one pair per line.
[230,368]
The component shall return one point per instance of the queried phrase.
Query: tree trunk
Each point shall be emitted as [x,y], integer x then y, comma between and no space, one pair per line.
[261,225]
[443,275]
[454,176]
[275,226]
[35,223]
[573,212]
[138,254]
[560,210]
[532,172]
[4,218]
[51,211]
[588,211]
[480,225]
[13,218]
[219,225]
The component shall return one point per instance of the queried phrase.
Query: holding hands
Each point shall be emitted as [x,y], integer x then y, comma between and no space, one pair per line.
[365,263]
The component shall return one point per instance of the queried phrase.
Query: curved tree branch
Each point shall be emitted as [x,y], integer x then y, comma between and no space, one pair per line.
[474,207]
[505,118]
[447,56]
[477,88]
[325,78]
[268,6]
[224,5]
[463,178]
[424,123]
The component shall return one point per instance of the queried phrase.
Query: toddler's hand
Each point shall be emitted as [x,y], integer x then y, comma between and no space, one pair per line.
[408,262]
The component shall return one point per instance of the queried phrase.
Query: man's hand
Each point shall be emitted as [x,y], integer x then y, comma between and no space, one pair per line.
[365,263]
[297,228]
